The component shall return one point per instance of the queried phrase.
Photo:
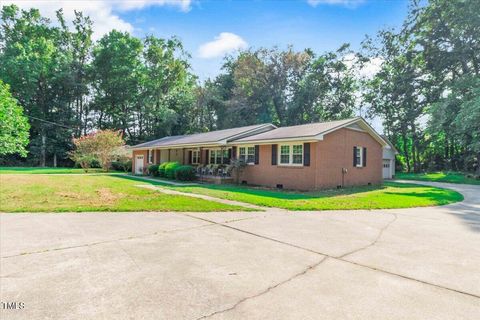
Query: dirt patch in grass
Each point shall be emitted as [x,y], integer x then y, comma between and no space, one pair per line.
[68,195]
[107,196]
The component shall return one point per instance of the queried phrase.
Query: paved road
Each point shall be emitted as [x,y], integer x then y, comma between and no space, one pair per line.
[383,264]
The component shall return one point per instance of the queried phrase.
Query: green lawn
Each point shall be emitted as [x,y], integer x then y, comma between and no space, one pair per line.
[389,195]
[80,193]
[46,170]
[451,177]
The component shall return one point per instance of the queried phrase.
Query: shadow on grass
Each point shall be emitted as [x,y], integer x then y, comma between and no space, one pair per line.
[269,193]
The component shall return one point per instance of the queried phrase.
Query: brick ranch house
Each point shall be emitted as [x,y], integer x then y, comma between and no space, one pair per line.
[304,157]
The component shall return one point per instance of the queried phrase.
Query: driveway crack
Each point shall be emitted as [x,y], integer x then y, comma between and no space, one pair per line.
[374,242]
[267,290]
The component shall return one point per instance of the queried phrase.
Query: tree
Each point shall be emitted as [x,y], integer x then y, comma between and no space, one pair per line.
[84,153]
[107,144]
[14,125]
[103,146]
[283,87]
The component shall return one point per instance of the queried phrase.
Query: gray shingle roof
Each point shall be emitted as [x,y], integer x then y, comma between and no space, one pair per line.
[213,137]
[300,131]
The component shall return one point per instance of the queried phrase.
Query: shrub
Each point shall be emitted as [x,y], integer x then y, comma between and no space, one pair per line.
[122,165]
[185,173]
[161,169]
[170,169]
[153,170]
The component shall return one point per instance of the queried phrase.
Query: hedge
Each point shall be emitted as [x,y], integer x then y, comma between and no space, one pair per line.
[153,170]
[161,169]
[185,173]
[170,169]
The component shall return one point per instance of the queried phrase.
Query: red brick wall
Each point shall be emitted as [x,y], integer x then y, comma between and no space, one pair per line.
[263,173]
[327,158]
[336,152]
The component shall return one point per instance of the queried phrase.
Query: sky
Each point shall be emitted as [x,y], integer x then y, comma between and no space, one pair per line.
[211,29]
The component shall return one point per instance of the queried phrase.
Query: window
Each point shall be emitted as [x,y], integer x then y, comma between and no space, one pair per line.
[241,154]
[247,154]
[358,157]
[226,158]
[195,156]
[284,154]
[219,156]
[297,155]
[150,156]
[212,156]
[250,154]
[291,154]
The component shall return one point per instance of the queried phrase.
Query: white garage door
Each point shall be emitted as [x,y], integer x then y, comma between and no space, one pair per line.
[387,173]
[139,165]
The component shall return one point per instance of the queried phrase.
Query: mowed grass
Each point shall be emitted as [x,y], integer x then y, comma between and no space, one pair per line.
[82,193]
[47,170]
[388,195]
[450,177]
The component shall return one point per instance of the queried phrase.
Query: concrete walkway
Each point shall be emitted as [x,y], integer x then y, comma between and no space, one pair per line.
[201,196]
[417,263]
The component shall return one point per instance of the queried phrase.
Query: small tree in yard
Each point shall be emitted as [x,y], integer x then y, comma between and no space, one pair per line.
[102,145]
[84,153]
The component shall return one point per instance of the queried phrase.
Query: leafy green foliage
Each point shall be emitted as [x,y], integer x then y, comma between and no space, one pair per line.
[153,170]
[161,169]
[185,173]
[170,168]
[13,124]
[102,146]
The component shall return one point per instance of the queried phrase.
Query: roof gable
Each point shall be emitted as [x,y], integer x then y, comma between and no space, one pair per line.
[312,131]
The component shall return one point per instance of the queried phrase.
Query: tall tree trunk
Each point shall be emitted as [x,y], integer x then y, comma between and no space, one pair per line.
[43,149]
[405,151]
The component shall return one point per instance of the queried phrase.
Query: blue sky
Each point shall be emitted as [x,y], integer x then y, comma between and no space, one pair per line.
[267,23]
[209,29]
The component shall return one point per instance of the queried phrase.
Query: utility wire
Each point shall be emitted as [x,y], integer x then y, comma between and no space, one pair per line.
[54,123]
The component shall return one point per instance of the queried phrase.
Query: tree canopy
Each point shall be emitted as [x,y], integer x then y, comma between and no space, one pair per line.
[425,92]
[13,124]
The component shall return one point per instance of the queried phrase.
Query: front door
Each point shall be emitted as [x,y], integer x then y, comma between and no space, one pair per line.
[139,164]
[386,169]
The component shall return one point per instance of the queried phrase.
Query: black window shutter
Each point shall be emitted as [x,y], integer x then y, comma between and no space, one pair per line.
[364,157]
[206,156]
[306,154]
[354,156]
[229,154]
[189,161]
[257,154]
[234,153]
[274,154]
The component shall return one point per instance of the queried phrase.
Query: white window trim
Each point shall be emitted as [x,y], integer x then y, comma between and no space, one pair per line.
[359,163]
[210,154]
[290,155]
[150,156]
[193,157]
[246,146]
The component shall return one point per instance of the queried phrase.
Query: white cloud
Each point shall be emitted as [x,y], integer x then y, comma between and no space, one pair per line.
[224,43]
[102,12]
[368,70]
[345,3]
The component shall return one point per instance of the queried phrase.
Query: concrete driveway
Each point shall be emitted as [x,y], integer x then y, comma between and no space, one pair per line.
[383,264]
